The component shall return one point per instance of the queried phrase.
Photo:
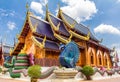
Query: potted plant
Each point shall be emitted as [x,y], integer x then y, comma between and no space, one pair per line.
[34,72]
[88,71]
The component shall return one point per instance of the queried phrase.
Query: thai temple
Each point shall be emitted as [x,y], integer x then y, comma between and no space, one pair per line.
[42,38]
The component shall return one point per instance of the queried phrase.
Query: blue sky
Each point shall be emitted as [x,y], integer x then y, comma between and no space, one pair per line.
[102,17]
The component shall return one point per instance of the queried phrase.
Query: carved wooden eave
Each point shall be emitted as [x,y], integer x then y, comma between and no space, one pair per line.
[71,27]
[55,29]
[42,44]
[79,36]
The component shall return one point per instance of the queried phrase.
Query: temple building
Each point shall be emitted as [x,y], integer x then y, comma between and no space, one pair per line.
[42,38]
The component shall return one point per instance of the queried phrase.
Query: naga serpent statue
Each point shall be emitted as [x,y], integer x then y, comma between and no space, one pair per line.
[69,55]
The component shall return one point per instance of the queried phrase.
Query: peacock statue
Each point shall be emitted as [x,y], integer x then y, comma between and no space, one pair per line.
[69,54]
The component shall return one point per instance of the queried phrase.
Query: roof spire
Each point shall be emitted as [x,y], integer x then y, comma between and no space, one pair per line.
[46,7]
[27,6]
[59,6]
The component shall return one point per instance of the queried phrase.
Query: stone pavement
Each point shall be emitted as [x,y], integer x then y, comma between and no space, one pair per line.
[117,79]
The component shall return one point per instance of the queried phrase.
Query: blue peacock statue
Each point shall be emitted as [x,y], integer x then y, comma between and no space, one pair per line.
[69,54]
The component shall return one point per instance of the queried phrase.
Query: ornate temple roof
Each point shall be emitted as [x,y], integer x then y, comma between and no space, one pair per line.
[51,45]
[56,21]
[81,29]
[42,27]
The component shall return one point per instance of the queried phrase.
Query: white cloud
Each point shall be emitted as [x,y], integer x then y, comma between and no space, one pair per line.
[11,25]
[118,1]
[43,2]
[38,6]
[104,28]
[5,13]
[80,10]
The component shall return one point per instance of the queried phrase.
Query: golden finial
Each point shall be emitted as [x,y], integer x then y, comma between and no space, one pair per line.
[73,25]
[59,6]
[43,43]
[27,6]
[88,35]
[58,26]
[35,27]
[46,7]
[69,39]
[101,40]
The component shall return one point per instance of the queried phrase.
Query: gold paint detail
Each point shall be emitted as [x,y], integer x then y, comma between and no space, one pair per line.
[69,39]
[27,7]
[42,44]
[35,27]
[64,20]
[56,28]
[79,36]
[61,39]
[23,50]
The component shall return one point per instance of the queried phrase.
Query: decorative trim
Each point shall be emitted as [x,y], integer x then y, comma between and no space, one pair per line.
[79,36]
[12,51]
[61,39]
[42,44]
[64,20]
[56,28]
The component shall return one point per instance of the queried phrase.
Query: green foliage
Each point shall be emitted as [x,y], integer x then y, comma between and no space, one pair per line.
[34,71]
[87,70]
[0,69]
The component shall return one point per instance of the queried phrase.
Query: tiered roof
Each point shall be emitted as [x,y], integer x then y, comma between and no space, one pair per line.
[50,32]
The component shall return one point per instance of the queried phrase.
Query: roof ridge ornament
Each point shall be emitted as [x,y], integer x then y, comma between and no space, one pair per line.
[101,40]
[35,27]
[58,26]
[88,35]
[40,44]
[73,25]
[66,22]
[47,8]
[69,39]
[27,7]
[43,42]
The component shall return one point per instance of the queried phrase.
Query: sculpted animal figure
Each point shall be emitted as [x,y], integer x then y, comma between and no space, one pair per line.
[69,55]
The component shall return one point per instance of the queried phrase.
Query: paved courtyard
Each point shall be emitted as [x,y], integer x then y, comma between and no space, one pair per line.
[117,79]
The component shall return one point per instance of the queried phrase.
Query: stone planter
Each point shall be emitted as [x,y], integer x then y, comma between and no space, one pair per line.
[65,73]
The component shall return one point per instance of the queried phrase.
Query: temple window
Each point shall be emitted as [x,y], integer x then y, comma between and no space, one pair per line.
[105,60]
[92,59]
[100,59]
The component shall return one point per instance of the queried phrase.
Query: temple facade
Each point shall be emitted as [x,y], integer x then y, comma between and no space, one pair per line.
[42,38]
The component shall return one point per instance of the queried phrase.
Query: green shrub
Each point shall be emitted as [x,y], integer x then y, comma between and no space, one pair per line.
[88,71]
[34,71]
[0,69]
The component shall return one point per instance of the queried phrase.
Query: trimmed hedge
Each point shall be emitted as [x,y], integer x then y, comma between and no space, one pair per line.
[20,67]
[21,61]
